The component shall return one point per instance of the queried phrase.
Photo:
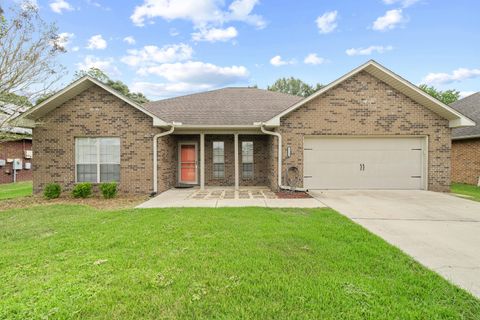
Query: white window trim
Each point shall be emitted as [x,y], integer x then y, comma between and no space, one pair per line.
[97,140]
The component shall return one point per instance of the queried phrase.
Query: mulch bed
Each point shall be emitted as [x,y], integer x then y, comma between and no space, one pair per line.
[292,195]
[119,202]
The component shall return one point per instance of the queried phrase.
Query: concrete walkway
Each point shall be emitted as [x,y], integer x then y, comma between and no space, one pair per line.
[187,198]
[439,230]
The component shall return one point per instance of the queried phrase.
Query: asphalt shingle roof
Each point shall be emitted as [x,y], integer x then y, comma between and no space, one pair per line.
[470,107]
[228,106]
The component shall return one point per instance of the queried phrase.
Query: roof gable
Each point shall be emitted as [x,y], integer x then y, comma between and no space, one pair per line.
[28,118]
[456,119]
[469,106]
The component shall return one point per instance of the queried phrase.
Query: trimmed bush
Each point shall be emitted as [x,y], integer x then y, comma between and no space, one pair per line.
[109,189]
[52,191]
[82,190]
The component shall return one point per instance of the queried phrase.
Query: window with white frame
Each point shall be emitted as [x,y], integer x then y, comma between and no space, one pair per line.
[218,160]
[247,159]
[97,159]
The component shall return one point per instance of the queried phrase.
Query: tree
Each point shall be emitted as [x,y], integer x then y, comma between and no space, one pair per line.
[114,84]
[447,96]
[294,86]
[29,48]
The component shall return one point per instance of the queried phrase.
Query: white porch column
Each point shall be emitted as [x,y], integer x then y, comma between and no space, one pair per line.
[237,170]
[202,160]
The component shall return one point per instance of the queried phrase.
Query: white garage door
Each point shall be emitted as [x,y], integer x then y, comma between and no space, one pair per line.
[364,163]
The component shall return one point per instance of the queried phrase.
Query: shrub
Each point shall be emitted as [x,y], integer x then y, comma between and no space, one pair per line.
[109,189]
[52,191]
[82,190]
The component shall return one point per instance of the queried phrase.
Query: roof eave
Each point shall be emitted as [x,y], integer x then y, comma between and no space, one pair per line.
[461,122]
[475,136]
[200,126]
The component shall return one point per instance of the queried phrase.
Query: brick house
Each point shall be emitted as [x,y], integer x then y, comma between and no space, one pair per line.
[16,154]
[466,143]
[15,147]
[369,129]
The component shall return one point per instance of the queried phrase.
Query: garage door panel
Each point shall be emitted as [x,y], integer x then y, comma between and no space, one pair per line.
[363,163]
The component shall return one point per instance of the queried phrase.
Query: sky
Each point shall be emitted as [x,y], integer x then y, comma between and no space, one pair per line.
[167,48]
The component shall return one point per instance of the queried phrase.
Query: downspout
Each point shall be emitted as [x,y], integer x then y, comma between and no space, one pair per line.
[155,156]
[279,137]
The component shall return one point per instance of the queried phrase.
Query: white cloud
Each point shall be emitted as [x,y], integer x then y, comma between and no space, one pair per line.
[277,61]
[390,20]
[97,42]
[75,49]
[215,34]
[197,72]
[327,22]
[59,6]
[153,55]
[367,51]
[464,94]
[187,77]
[199,12]
[457,75]
[312,58]
[403,3]
[63,39]
[129,40]
[240,10]
[107,65]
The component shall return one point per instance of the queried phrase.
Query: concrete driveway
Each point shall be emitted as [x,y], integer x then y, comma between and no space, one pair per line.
[440,231]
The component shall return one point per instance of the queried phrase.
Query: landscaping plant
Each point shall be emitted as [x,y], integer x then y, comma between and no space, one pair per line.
[109,189]
[82,190]
[52,191]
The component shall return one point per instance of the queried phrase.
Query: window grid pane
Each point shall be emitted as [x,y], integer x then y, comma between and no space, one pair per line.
[109,172]
[218,160]
[218,152]
[247,159]
[86,150]
[86,172]
[110,150]
[218,170]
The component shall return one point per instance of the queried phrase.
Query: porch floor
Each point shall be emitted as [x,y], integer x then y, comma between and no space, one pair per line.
[218,193]
[226,197]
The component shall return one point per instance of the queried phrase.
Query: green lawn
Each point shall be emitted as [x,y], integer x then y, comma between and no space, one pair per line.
[15,190]
[473,192]
[68,261]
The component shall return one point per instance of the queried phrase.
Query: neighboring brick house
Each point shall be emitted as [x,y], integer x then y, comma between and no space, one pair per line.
[19,153]
[15,148]
[466,143]
[369,129]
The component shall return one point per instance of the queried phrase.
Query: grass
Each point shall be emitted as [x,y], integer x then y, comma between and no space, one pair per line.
[66,261]
[473,192]
[15,190]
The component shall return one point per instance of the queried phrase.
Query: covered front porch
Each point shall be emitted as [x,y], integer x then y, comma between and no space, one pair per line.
[223,159]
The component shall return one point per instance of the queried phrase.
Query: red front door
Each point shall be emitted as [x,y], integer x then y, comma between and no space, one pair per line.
[188,163]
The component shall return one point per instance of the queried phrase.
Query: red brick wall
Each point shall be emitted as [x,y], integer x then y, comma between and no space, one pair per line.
[365,105]
[466,161]
[15,150]
[96,113]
